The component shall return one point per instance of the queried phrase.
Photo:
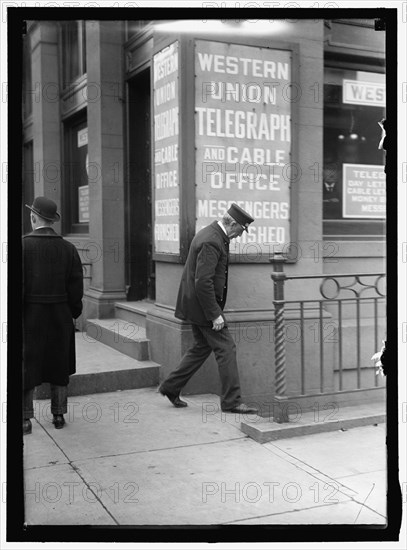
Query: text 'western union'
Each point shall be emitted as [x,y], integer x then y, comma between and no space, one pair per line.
[165,63]
[245,66]
[243,125]
[231,91]
[164,93]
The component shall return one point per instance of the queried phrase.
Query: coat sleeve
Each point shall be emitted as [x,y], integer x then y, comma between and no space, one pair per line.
[75,285]
[206,262]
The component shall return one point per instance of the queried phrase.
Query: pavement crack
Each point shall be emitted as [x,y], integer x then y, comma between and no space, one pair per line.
[361,508]
[89,488]
[305,467]
[359,473]
[283,512]
[77,471]
[314,472]
[162,449]
[46,466]
[54,441]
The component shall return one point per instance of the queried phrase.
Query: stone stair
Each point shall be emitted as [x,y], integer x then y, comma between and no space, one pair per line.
[133,312]
[124,336]
[126,332]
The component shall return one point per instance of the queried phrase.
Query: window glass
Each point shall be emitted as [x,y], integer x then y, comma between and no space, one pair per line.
[76,181]
[27,78]
[83,46]
[73,50]
[353,170]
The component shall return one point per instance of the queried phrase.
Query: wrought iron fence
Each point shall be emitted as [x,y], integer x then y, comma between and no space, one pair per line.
[353,305]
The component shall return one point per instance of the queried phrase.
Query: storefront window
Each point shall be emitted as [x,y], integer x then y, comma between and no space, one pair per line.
[73,50]
[76,180]
[354,188]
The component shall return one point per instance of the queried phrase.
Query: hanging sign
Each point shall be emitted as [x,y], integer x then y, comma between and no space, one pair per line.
[83,201]
[364,93]
[83,137]
[363,191]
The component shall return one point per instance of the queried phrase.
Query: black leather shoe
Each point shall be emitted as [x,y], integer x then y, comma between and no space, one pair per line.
[243,409]
[175,400]
[27,426]
[58,421]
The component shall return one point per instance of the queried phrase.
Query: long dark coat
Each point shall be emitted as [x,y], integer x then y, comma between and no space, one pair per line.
[203,287]
[53,290]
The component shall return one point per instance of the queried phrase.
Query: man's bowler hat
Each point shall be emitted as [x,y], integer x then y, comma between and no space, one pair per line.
[240,215]
[45,208]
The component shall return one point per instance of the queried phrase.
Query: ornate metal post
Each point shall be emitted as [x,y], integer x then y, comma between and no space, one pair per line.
[278,276]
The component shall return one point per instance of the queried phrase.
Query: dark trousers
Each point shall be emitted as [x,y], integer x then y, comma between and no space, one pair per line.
[59,401]
[224,348]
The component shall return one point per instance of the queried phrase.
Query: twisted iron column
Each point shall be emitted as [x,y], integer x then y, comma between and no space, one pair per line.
[279,350]
[279,277]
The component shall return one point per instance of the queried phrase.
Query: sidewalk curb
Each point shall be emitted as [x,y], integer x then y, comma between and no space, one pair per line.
[268,430]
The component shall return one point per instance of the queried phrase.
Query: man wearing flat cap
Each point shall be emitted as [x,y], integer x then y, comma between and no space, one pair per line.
[52,292]
[201,299]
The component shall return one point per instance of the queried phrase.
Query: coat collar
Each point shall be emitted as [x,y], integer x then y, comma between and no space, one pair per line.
[43,232]
[215,225]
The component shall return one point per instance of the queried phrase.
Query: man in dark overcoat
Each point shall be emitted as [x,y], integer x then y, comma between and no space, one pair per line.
[52,293]
[201,300]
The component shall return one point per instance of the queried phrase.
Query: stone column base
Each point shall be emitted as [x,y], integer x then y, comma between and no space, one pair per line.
[100,305]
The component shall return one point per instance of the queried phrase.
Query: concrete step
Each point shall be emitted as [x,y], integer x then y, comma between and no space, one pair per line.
[124,336]
[100,369]
[264,430]
[133,312]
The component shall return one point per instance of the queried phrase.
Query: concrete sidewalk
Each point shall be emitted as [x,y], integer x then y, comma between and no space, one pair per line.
[131,458]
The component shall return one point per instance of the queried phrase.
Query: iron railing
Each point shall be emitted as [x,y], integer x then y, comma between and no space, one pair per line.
[338,294]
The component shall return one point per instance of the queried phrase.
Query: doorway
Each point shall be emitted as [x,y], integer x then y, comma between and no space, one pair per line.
[140,267]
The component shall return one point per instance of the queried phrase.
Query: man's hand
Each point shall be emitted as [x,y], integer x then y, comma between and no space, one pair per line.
[218,323]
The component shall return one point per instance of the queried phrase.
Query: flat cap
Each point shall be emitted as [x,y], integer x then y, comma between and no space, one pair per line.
[240,215]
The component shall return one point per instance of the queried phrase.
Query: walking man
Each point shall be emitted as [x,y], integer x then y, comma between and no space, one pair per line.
[201,300]
[53,290]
